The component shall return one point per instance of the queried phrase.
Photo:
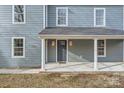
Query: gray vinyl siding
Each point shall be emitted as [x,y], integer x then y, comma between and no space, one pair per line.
[30,30]
[83,51]
[114,51]
[79,16]
[83,16]
[51,51]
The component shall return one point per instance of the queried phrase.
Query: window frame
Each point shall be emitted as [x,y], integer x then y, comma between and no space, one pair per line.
[66,8]
[103,47]
[13,15]
[13,56]
[104,17]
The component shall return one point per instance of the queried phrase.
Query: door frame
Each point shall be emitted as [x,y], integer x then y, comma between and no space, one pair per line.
[66,50]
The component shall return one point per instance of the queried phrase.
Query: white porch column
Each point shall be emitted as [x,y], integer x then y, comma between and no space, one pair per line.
[95,55]
[123,50]
[46,50]
[67,51]
[42,54]
[56,51]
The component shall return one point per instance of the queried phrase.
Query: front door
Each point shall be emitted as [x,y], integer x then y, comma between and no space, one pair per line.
[62,50]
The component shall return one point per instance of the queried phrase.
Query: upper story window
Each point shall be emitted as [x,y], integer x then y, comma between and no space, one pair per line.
[99,17]
[101,48]
[18,47]
[61,16]
[18,14]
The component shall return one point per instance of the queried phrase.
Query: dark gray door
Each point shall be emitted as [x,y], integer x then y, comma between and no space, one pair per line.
[62,46]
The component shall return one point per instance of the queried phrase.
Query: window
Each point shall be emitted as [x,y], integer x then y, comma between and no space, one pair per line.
[61,16]
[99,17]
[18,14]
[101,48]
[18,47]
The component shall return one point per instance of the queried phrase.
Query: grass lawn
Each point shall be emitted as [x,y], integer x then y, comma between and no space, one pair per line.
[64,80]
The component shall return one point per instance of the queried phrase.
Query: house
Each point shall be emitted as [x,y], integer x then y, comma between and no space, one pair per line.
[36,35]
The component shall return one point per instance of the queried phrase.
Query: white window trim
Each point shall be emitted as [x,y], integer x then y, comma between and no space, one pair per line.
[13,16]
[13,47]
[104,20]
[66,16]
[104,49]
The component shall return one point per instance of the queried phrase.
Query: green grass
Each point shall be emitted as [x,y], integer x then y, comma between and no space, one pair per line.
[63,80]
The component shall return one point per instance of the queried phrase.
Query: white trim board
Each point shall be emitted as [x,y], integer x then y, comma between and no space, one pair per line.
[44,16]
[42,54]
[67,51]
[46,52]
[95,55]
[56,51]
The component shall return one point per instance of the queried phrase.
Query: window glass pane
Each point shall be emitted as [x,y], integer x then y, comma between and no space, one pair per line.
[18,51]
[61,12]
[101,49]
[62,42]
[18,8]
[18,42]
[100,43]
[100,53]
[19,18]
[18,13]
[61,20]
[100,17]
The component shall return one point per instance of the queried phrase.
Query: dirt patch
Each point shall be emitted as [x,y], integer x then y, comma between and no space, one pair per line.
[64,80]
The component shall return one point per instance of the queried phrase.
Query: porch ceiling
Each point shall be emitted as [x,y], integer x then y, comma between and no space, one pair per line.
[81,33]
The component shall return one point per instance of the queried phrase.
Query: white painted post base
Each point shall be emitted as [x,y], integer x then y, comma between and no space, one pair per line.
[42,70]
[95,55]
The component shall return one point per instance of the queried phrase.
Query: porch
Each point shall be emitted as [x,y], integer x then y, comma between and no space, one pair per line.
[81,56]
[69,67]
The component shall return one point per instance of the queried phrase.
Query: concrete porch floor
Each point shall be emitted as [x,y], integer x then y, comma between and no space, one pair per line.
[84,66]
[19,71]
[69,67]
